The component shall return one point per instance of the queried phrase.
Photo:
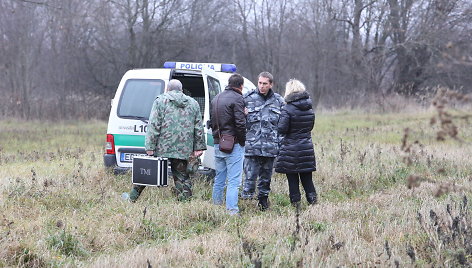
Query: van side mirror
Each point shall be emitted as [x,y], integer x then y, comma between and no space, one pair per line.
[208,124]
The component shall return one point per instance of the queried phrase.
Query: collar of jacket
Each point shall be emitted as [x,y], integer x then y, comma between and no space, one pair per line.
[177,97]
[268,95]
[296,96]
[237,90]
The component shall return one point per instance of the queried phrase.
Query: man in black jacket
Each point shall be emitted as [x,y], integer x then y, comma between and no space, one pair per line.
[228,117]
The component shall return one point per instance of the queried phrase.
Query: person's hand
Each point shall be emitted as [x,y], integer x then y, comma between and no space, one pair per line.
[245,110]
[197,153]
[150,153]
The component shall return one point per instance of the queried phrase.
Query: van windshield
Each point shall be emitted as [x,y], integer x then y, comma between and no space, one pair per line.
[138,96]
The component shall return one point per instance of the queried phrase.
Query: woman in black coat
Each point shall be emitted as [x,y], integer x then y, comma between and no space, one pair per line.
[296,158]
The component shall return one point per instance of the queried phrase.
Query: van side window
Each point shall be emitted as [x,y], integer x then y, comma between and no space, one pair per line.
[213,88]
[138,96]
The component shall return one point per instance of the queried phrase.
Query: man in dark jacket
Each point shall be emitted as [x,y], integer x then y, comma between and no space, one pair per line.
[228,117]
[263,107]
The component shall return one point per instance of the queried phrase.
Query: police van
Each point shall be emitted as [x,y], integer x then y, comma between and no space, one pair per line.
[131,106]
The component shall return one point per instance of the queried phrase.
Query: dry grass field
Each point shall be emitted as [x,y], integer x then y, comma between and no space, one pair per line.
[388,198]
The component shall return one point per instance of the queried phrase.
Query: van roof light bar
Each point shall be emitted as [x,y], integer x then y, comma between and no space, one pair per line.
[218,67]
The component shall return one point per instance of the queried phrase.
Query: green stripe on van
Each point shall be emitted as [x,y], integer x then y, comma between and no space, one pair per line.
[138,140]
[129,140]
[210,141]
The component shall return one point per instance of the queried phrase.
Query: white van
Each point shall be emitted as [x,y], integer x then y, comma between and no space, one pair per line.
[131,106]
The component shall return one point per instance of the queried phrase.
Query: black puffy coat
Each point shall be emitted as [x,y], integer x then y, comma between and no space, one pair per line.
[295,124]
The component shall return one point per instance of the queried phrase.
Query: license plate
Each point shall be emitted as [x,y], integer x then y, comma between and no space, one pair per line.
[128,157]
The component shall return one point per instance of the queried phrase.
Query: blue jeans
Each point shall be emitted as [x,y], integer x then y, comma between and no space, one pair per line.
[228,168]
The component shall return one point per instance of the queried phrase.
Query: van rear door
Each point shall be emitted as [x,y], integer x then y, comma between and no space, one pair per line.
[212,88]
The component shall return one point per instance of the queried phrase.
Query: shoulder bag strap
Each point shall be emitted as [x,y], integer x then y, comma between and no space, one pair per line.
[217,120]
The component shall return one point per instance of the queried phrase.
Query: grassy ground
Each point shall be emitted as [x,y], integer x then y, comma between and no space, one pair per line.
[381,203]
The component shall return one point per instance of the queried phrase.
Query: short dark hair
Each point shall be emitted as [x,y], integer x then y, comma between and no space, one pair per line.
[235,80]
[266,75]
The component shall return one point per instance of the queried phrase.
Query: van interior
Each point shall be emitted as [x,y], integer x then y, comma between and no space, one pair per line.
[192,84]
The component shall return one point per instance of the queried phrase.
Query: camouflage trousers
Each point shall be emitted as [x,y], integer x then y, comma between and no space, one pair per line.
[182,182]
[257,167]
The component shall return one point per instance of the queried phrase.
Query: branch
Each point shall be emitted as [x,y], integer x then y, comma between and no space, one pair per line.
[32,2]
[368,4]
[37,3]
[343,20]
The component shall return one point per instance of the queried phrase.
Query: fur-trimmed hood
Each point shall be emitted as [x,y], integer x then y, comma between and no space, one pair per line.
[299,99]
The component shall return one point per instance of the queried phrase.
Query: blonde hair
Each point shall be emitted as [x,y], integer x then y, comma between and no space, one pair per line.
[293,86]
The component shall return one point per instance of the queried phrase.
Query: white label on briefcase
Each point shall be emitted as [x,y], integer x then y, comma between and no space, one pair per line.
[149,171]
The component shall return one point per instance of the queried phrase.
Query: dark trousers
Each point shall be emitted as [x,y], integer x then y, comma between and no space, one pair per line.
[257,169]
[294,188]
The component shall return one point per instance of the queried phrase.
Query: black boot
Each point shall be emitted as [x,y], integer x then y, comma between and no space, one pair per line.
[295,198]
[312,198]
[296,205]
[263,203]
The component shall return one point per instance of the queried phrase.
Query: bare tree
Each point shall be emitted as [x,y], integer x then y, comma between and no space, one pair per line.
[270,19]
[23,36]
[203,32]
[64,59]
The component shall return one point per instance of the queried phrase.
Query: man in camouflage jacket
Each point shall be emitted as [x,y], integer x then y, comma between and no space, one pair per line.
[174,131]
[262,141]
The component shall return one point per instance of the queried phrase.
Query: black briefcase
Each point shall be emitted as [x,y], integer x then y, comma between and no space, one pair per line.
[150,171]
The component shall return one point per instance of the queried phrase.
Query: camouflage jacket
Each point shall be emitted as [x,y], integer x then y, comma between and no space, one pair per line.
[175,126]
[261,125]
